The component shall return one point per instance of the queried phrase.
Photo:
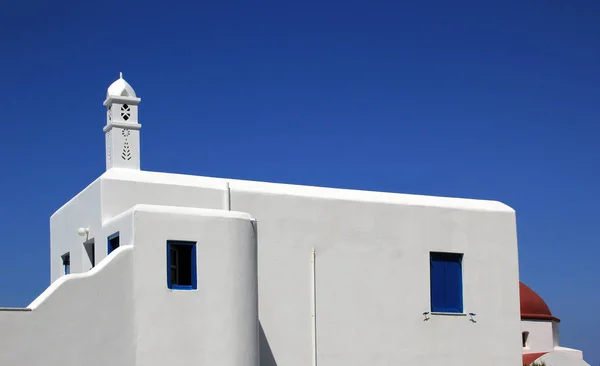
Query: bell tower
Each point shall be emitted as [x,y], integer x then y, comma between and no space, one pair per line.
[122,130]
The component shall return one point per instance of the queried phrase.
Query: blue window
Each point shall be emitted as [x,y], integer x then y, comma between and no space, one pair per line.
[66,261]
[113,242]
[181,265]
[446,282]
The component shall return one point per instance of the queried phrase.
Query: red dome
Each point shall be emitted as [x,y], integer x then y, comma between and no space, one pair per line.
[533,306]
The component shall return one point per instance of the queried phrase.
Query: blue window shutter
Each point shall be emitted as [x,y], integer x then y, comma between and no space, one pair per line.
[446,282]
[454,285]
[438,288]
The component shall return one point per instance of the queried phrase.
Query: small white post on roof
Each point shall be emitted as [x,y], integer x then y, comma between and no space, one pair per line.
[122,129]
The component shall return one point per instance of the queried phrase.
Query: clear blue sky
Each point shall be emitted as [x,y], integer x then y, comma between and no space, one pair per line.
[485,99]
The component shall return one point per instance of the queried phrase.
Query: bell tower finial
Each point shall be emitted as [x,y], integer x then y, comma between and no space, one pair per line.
[122,130]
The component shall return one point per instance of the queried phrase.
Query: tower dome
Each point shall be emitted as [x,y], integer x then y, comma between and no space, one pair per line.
[533,307]
[122,130]
[120,88]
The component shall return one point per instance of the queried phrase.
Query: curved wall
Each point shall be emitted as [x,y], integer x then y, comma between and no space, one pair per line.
[217,324]
[81,319]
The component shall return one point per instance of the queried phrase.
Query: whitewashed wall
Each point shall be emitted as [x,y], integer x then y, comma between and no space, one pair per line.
[544,337]
[214,325]
[556,334]
[121,191]
[372,270]
[83,210]
[83,319]
[563,358]
[123,309]
[86,210]
[540,335]
[109,196]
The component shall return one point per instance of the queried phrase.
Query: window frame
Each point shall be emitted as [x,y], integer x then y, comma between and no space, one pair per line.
[109,247]
[442,259]
[66,263]
[525,339]
[193,270]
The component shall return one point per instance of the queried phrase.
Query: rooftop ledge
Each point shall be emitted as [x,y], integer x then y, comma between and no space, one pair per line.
[470,204]
[208,212]
[15,309]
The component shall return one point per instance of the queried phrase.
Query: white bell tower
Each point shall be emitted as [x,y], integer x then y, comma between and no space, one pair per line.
[122,129]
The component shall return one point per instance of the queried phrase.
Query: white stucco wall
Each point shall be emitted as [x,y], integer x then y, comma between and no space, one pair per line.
[85,210]
[555,334]
[113,193]
[214,325]
[82,319]
[544,337]
[571,351]
[540,335]
[372,275]
[123,309]
[82,211]
[123,188]
[372,271]
[563,358]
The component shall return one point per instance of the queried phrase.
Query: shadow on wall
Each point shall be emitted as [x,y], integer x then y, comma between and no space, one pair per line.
[266,354]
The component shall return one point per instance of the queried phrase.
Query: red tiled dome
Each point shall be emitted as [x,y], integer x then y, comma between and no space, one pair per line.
[533,307]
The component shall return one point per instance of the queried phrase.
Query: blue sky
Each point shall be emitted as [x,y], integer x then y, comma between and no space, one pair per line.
[485,99]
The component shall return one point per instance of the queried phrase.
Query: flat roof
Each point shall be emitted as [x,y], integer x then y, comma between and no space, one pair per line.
[305,191]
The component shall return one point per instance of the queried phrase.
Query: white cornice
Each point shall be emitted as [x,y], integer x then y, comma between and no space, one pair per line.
[130,126]
[125,100]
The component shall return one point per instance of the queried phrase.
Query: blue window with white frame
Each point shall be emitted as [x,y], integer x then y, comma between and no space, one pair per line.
[181,265]
[113,242]
[446,282]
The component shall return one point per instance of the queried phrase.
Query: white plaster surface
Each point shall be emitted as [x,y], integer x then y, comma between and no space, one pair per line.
[81,319]
[573,352]
[120,88]
[544,337]
[122,130]
[119,194]
[218,323]
[314,192]
[83,210]
[555,334]
[558,358]
[540,335]
[372,275]
[123,308]
[123,142]
[372,267]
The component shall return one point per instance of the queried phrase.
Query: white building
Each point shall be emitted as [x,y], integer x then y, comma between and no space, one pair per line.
[165,269]
[540,334]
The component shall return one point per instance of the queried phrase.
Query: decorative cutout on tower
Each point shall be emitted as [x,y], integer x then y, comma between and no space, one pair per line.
[108,146]
[126,154]
[125,112]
